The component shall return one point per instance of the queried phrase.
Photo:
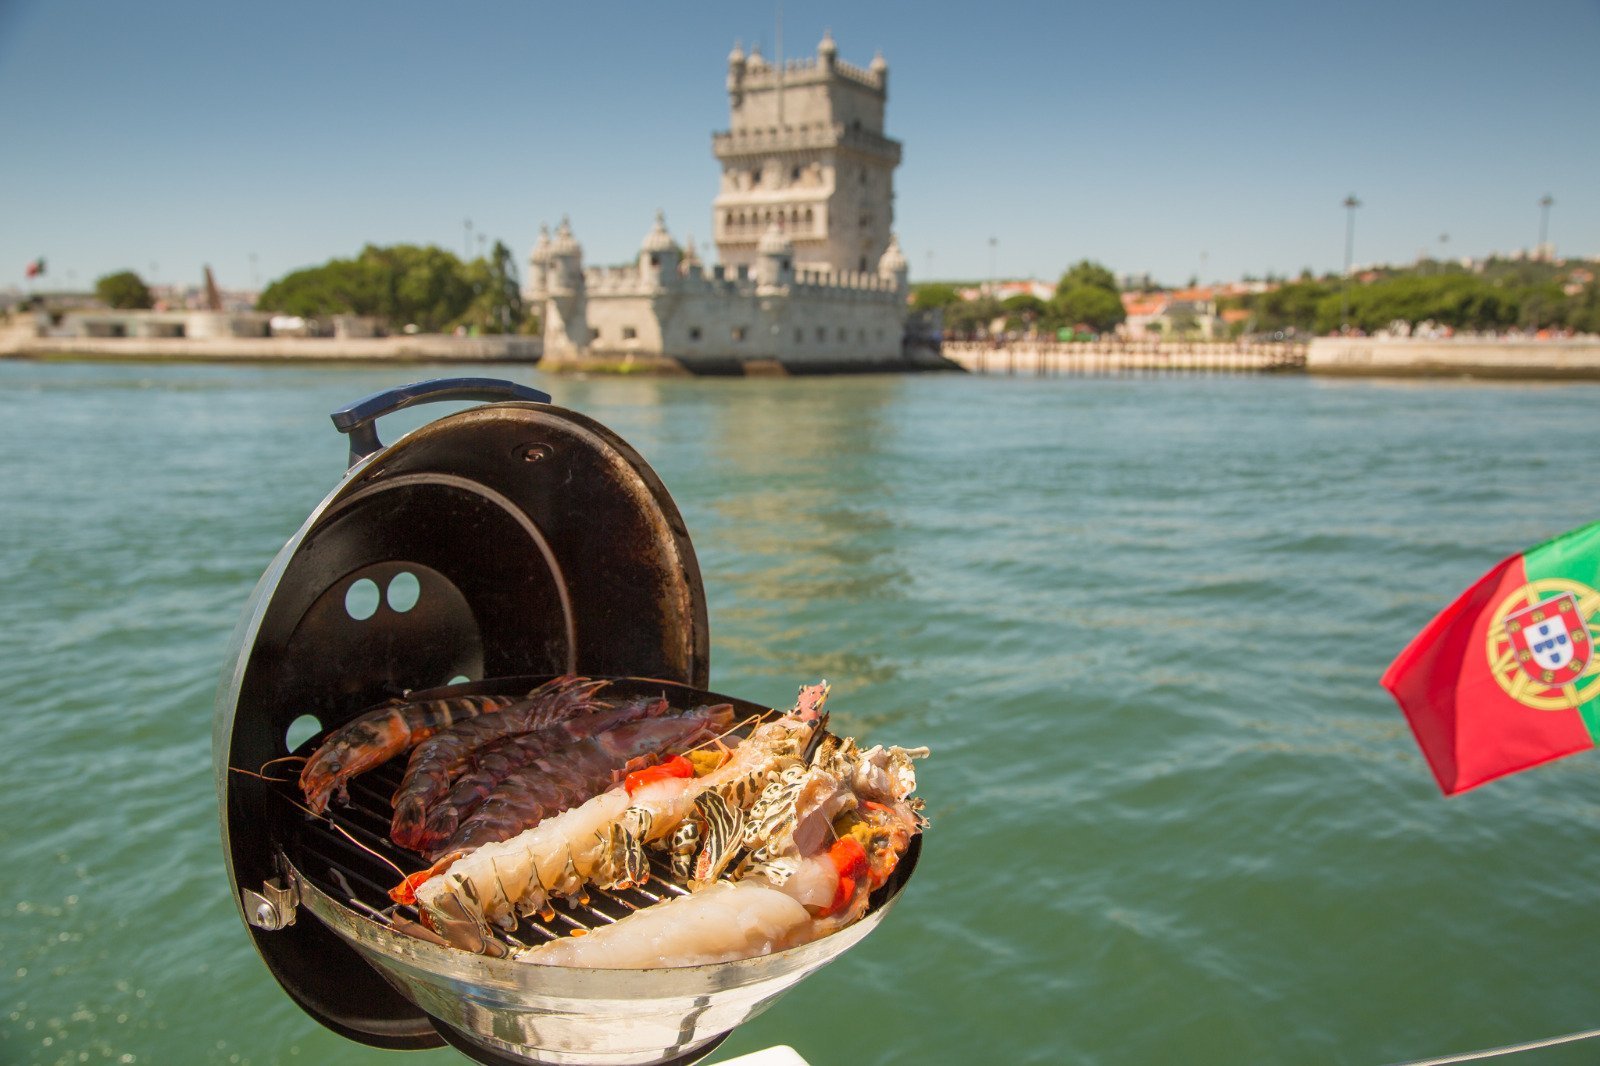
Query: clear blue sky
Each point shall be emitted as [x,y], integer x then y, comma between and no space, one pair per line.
[1181,139]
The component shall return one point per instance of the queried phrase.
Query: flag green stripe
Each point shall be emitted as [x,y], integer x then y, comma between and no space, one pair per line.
[1589,711]
[1574,556]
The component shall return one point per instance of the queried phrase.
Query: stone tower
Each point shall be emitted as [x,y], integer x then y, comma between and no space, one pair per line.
[566,325]
[805,152]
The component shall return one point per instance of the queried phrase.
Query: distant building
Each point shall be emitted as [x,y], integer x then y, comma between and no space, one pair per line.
[810,274]
[1005,290]
[1182,313]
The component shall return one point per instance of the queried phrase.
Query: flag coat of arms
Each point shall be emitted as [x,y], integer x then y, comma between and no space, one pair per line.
[1506,677]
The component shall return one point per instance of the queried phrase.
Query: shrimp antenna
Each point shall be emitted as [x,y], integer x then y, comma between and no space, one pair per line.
[261,777]
[370,851]
[734,728]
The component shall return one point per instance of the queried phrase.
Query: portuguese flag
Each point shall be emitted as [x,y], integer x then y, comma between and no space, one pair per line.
[1507,676]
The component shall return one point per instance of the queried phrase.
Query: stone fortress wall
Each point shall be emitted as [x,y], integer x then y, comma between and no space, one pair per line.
[809,275]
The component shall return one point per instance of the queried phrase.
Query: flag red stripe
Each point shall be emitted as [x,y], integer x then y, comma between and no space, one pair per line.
[1470,730]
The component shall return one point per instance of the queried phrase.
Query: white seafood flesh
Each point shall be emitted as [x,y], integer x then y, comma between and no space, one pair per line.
[730,920]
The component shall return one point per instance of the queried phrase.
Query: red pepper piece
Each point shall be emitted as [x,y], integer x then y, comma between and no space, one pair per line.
[842,895]
[677,766]
[850,859]
[848,856]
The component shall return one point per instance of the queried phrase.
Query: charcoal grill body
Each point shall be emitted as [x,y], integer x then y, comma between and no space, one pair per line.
[514,540]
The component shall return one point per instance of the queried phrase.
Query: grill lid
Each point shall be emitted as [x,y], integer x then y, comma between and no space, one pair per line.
[513,538]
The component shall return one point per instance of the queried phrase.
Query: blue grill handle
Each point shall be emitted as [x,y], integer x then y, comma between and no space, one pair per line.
[357,419]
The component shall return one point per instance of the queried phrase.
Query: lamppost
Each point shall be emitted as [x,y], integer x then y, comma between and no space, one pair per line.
[466,244]
[1544,224]
[1350,204]
[994,282]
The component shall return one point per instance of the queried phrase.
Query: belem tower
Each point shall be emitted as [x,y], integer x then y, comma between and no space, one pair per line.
[809,275]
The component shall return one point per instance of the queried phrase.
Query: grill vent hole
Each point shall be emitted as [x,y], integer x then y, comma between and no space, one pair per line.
[301,730]
[404,591]
[361,599]
[459,679]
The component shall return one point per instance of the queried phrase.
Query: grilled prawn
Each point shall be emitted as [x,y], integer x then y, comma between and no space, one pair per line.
[380,734]
[509,757]
[580,770]
[442,757]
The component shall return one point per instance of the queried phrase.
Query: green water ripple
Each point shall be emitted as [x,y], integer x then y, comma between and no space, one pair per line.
[1140,623]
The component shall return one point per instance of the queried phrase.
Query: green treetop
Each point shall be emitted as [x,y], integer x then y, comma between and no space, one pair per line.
[124,290]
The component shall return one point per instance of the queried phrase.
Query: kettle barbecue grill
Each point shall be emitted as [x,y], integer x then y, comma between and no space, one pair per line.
[485,552]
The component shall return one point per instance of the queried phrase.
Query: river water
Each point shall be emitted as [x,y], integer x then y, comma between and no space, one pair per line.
[1140,621]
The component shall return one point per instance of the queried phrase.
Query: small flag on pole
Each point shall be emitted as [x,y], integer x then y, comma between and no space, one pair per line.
[36,267]
[1507,677]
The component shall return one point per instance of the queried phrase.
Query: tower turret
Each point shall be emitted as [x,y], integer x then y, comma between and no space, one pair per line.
[539,265]
[893,264]
[566,325]
[736,74]
[659,255]
[774,258]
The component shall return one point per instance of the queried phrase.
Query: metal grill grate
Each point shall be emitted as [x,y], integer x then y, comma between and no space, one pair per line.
[349,867]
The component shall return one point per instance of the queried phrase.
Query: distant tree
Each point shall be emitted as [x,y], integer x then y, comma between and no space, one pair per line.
[401,284]
[971,316]
[1090,305]
[1292,306]
[1461,301]
[1024,309]
[1542,306]
[1583,312]
[496,305]
[932,295]
[124,290]
[1087,273]
[1087,295]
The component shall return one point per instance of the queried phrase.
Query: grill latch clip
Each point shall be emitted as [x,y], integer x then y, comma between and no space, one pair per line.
[273,907]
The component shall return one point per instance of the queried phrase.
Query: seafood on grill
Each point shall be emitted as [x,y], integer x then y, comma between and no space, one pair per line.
[378,735]
[728,920]
[780,844]
[600,842]
[441,758]
[570,776]
[512,757]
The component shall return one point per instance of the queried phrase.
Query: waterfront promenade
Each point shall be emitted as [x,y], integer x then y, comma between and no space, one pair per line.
[1051,358]
[1552,360]
[1575,358]
[414,348]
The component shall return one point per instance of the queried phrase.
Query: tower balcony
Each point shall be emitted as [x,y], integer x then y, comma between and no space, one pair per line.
[744,144]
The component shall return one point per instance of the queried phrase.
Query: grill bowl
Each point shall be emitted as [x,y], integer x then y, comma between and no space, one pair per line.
[568,1016]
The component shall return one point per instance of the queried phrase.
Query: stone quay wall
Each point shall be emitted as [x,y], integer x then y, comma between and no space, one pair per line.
[1051,358]
[1576,358]
[418,348]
